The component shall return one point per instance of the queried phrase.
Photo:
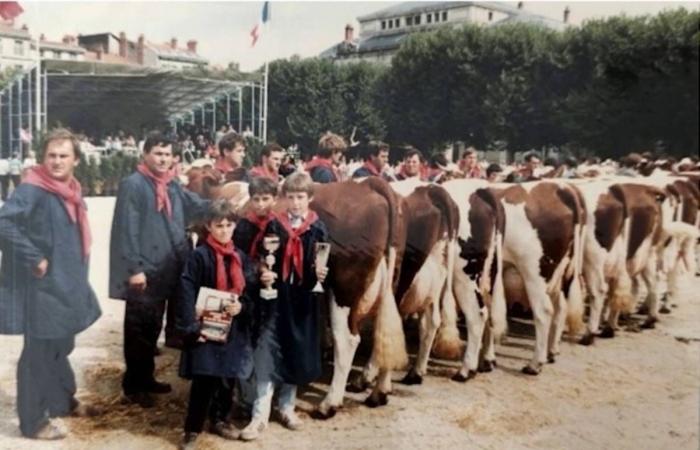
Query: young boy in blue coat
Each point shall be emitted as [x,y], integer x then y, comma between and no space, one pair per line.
[213,366]
[288,350]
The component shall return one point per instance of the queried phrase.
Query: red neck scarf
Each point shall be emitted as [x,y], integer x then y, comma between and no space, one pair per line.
[262,171]
[235,269]
[224,166]
[261,223]
[71,194]
[370,167]
[160,183]
[322,162]
[294,251]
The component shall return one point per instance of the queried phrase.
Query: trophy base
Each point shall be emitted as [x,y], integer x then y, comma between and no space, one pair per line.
[268,294]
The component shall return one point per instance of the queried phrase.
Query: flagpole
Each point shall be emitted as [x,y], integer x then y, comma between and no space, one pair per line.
[264,111]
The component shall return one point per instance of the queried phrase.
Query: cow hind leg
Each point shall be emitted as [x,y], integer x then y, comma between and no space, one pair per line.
[557,326]
[649,275]
[429,323]
[345,345]
[487,360]
[476,316]
[379,395]
[542,313]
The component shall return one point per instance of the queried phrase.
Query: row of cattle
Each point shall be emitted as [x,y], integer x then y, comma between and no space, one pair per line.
[409,248]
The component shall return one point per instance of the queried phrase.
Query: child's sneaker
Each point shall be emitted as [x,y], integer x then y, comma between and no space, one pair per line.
[253,430]
[226,430]
[290,420]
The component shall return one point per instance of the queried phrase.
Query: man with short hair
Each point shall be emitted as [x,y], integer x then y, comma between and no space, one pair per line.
[412,166]
[469,164]
[493,173]
[323,167]
[527,172]
[376,157]
[230,162]
[44,289]
[270,162]
[147,251]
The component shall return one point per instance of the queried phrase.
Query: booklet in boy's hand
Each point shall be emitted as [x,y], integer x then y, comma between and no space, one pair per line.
[211,311]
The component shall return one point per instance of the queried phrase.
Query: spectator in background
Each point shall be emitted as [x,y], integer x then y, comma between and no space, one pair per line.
[527,171]
[15,170]
[323,167]
[220,134]
[270,162]
[232,153]
[4,177]
[247,133]
[469,164]
[376,157]
[29,161]
[493,173]
[412,166]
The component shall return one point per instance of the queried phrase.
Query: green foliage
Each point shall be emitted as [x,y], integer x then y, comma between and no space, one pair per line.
[102,176]
[608,87]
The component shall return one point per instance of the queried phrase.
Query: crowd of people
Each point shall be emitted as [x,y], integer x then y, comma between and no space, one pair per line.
[273,344]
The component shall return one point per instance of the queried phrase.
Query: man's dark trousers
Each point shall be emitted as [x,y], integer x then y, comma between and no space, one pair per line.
[45,382]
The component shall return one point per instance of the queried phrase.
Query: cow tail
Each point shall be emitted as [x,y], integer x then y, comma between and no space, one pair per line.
[574,296]
[389,350]
[448,344]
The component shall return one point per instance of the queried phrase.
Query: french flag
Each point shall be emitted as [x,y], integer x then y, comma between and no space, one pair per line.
[10,10]
[255,33]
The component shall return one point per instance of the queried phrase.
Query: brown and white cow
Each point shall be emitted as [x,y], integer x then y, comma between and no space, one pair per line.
[431,221]
[474,278]
[362,220]
[545,223]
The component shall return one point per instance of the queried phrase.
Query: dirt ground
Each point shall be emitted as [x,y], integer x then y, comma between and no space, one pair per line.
[639,390]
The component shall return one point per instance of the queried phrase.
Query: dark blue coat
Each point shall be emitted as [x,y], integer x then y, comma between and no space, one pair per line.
[290,324]
[244,235]
[362,172]
[322,174]
[34,225]
[145,240]
[233,359]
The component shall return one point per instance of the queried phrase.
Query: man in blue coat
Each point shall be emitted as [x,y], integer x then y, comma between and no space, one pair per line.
[323,167]
[44,289]
[147,251]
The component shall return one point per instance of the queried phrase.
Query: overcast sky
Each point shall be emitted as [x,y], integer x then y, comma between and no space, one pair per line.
[223,28]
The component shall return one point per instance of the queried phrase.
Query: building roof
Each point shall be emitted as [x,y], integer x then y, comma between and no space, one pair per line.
[8,30]
[165,51]
[61,46]
[407,8]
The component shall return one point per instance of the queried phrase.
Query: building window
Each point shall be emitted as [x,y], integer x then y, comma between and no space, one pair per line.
[19,48]
[383,24]
[73,56]
[396,23]
[444,16]
[391,24]
[416,20]
[409,21]
[490,16]
[437,17]
[428,18]
[42,53]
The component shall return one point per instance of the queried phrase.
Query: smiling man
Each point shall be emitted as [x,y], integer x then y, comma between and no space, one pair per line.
[44,288]
[147,251]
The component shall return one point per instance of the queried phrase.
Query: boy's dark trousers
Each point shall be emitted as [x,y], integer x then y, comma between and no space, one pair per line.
[209,396]
[45,382]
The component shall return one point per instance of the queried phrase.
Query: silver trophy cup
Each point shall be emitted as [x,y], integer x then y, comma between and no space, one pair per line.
[270,243]
[323,252]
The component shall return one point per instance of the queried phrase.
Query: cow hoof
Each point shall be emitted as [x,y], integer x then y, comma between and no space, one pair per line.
[633,328]
[376,400]
[412,378]
[608,332]
[551,358]
[665,310]
[649,324]
[529,370]
[458,377]
[487,366]
[643,309]
[587,339]
[323,413]
[357,385]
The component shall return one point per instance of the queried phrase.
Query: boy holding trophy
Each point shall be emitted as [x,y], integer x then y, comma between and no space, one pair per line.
[214,313]
[288,350]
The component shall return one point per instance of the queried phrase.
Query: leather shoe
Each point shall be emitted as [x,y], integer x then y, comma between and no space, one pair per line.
[143,399]
[156,387]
